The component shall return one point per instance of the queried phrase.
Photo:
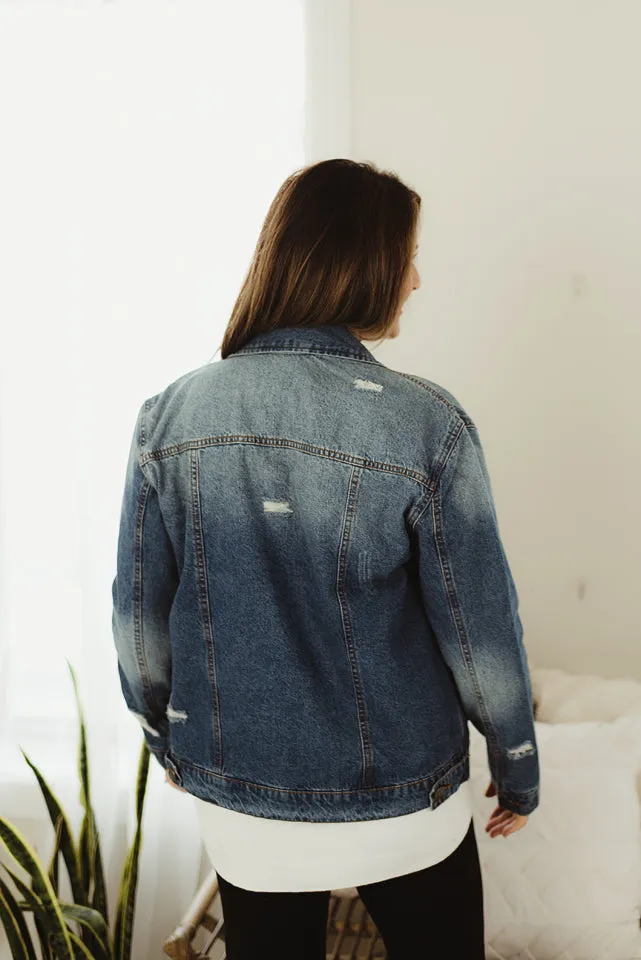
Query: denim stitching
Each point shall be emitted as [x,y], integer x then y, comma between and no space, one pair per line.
[139,641]
[311,449]
[365,572]
[203,590]
[438,789]
[455,431]
[455,607]
[449,765]
[348,515]
[461,415]
[347,354]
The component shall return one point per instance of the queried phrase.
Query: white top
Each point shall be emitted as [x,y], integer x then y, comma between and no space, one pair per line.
[257,853]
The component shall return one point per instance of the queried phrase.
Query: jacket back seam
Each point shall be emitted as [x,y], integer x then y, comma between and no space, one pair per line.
[205,605]
[311,449]
[343,548]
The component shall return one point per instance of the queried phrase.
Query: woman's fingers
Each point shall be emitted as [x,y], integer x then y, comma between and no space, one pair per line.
[502,821]
[499,830]
[501,818]
[506,827]
[501,812]
[500,824]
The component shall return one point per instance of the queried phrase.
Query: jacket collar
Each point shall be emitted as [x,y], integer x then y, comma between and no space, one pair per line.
[333,339]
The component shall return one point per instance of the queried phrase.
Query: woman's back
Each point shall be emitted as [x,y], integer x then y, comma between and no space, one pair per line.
[332,615]
[312,596]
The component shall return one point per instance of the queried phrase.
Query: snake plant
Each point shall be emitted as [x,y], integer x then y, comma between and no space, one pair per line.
[80,929]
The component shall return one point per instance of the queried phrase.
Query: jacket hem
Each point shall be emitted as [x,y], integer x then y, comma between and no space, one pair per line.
[278,803]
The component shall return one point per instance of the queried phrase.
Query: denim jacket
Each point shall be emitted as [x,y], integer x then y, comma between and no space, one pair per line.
[312,598]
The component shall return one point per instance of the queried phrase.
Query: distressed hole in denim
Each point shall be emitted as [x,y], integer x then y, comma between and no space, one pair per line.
[175,715]
[522,751]
[365,572]
[277,506]
[143,723]
[367,385]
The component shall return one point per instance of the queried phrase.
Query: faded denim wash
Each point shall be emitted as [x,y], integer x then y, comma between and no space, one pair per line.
[312,598]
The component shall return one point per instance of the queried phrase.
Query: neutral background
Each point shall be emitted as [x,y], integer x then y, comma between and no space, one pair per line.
[519,125]
[144,144]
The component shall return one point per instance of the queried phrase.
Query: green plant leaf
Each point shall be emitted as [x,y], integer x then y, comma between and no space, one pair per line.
[79,948]
[34,903]
[22,852]
[91,852]
[40,920]
[15,927]
[84,841]
[94,921]
[52,872]
[90,860]
[83,768]
[67,847]
[141,784]
[99,899]
[44,939]
[126,930]
[127,896]
[120,906]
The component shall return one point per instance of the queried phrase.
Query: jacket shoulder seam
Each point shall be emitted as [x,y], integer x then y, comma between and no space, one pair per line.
[450,442]
[458,413]
[146,407]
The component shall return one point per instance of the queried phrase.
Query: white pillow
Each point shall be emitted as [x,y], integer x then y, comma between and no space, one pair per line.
[562,697]
[568,885]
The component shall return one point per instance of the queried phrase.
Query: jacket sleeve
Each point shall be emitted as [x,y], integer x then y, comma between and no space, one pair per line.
[472,606]
[143,591]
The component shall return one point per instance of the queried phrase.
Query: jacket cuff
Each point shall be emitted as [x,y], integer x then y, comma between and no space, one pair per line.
[158,747]
[522,803]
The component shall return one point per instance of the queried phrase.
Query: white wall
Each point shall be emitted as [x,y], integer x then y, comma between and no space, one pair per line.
[327,79]
[520,126]
[142,144]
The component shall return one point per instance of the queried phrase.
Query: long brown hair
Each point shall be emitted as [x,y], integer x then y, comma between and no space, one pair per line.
[335,248]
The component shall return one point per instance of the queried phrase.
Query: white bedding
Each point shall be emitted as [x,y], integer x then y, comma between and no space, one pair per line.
[567,886]
[562,697]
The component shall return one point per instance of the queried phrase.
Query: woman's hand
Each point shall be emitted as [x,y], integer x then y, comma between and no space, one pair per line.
[171,782]
[502,822]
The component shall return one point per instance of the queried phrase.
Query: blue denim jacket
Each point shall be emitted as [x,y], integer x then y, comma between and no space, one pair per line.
[312,598]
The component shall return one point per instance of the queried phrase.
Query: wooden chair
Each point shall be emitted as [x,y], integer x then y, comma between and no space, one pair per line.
[351,933]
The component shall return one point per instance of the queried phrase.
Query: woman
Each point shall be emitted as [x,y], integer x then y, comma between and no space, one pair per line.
[312,597]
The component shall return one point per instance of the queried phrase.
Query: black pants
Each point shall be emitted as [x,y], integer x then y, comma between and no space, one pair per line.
[433,914]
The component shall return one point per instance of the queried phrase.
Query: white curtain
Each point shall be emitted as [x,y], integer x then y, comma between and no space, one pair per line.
[141,146]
